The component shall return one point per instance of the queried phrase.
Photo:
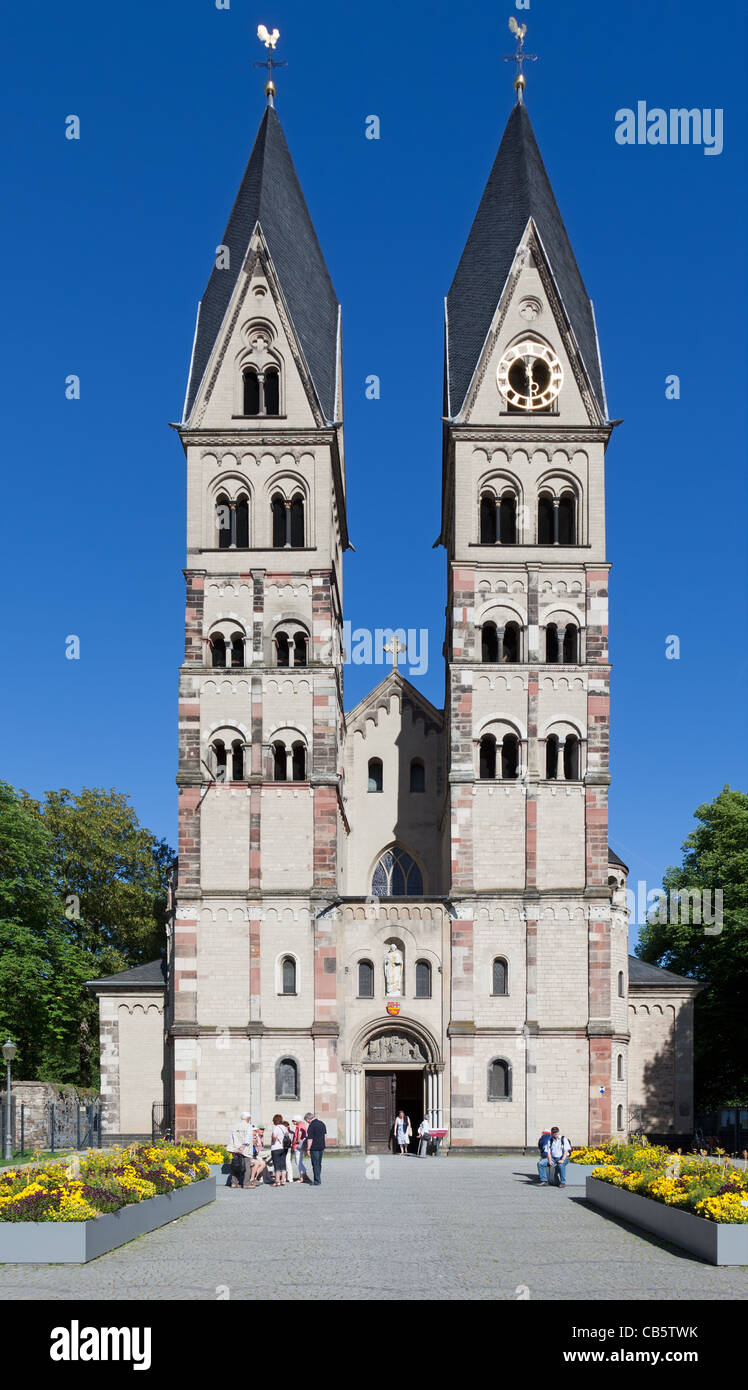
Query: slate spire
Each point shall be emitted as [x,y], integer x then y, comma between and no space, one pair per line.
[270,194]
[518,188]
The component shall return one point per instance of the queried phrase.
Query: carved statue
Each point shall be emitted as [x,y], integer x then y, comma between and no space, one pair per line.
[393,1047]
[393,971]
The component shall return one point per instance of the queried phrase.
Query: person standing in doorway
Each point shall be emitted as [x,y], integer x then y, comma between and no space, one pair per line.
[403,1131]
[424,1134]
[315,1138]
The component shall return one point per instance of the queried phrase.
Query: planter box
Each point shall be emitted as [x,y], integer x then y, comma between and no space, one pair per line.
[77,1242]
[719,1244]
[577,1173]
[220,1171]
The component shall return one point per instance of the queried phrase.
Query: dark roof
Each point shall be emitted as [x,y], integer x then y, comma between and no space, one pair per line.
[518,188]
[152,975]
[613,858]
[642,973]
[270,193]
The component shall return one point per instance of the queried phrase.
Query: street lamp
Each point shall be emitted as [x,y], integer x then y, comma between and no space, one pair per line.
[9,1052]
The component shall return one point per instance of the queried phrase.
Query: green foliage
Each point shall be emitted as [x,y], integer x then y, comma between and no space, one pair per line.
[715,858]
[82,894]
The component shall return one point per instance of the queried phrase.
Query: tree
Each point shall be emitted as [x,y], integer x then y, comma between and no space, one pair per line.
[715,859]
[112,873]
[83,891]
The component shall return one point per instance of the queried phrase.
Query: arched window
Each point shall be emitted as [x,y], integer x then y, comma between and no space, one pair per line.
[545,519]
[297,521]
[511,651]
[619,1067]
[375,775]
[620,984]
[571,758]
[551,757]
[287,1079]
[619,1117]
[571,645]
[271,387]
[288,975]
[397,876]
[509,756]
[220,759]
[241,523]
[365,979]
[423,979]
[567,524]
[500,977]
[237,649]
[237,761]
[278,509]
[298,762]
[217,651]
[489,643]
[417,775]
[508,519]
[499,1080]
[282,649]
[299,649]
[488,519]
[487,765]
[251,391]
[223,522]
[551,644]
[279,762]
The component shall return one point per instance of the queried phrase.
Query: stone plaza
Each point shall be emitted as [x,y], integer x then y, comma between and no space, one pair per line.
[388,1228]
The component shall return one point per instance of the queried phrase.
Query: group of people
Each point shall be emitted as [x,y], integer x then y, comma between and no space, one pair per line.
[554,1149]
[402,1133]
[280,1162]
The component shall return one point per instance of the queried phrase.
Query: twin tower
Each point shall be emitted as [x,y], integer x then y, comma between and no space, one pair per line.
[397,905]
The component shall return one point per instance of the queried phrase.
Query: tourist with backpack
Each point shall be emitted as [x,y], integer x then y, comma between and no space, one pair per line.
[278,1150]
[544,1144]
[558,1157]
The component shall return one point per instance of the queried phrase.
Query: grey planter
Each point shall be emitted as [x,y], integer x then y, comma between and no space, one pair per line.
[577,1173]
[77,1242]
[720,1245]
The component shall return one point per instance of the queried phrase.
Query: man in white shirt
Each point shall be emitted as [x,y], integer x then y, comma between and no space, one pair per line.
[424,1132]
[558,1156]
[240,1145]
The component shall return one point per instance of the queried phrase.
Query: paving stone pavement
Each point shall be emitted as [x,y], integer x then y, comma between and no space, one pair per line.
[447,1228]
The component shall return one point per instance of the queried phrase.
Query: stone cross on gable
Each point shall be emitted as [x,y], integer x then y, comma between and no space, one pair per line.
[395,646]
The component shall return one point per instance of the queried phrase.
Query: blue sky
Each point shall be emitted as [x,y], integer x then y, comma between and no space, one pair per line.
[107,246]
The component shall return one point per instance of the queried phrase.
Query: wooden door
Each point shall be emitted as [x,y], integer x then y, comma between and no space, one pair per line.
[380,1109]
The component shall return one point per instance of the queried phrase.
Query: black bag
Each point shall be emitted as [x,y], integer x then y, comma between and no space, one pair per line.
[238,1165]
[287,1142]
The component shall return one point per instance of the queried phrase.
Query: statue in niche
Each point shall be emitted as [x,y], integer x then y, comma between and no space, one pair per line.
[393,971]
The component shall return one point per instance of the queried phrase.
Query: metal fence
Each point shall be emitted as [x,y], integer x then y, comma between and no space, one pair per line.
[162,1121]
[74,1124]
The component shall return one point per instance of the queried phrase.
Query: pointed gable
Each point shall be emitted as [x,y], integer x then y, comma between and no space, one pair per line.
[270,193]
[518,189]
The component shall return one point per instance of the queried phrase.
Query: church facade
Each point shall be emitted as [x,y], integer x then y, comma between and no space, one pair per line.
[397,905]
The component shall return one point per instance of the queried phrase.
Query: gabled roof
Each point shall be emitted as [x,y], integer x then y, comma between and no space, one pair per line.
[270,194]
[149,976]
[518,188]
[395,684]
[642,973]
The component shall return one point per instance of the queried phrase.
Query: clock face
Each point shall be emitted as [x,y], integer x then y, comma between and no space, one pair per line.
[529,376]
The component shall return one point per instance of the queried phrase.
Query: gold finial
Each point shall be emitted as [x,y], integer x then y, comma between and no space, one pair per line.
[520,81]
[270,40]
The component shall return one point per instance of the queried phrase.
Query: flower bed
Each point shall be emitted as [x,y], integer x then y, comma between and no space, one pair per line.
[105,1186]
[705,1202]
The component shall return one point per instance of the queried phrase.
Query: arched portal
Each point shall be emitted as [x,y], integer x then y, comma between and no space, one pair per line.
[395,1064]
